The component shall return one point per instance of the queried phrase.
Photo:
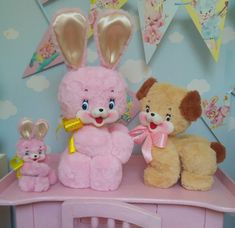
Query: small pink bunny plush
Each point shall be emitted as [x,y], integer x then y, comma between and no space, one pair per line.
[36,175]
[97,96]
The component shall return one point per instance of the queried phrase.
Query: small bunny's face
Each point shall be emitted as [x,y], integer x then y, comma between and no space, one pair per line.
[31,147]
[96,95]
[31,150]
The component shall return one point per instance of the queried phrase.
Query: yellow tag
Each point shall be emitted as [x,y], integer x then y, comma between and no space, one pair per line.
[16,163]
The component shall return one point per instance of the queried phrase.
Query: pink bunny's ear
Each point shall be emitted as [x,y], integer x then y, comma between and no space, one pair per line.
[26,129]
[41,129]
[112,32]
[70,29]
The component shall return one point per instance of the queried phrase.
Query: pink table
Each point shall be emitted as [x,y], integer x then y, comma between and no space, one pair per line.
[176,207]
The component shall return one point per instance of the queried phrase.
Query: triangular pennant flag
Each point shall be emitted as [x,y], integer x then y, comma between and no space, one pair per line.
[209,18]
[216,112]
[155,17]
[97,5]
[44,57]
[47,56]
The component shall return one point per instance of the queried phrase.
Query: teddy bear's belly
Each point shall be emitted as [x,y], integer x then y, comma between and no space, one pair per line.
[93,141]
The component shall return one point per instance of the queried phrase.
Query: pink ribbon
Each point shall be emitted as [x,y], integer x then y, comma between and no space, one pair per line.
[142,134]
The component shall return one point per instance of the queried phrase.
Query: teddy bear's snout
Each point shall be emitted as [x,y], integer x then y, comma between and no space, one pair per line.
[154,117]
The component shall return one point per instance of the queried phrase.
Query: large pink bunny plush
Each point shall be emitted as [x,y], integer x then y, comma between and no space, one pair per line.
[95,95]
[35,174]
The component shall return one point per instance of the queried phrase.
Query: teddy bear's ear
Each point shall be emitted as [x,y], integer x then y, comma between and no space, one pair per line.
[144,89]
[190,106]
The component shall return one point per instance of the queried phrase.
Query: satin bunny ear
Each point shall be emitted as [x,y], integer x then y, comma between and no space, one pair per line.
[26,129]
[70,29]
[112,32]
[40,129]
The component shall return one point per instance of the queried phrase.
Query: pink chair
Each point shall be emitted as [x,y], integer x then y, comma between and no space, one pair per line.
[116,214]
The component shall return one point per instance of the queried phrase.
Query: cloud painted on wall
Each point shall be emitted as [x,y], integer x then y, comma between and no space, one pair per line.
[229,35]
[231,124]
[7,109]
[91,55]
[201,85]
[11,34]
[176,37]
[135,70]
[38,83]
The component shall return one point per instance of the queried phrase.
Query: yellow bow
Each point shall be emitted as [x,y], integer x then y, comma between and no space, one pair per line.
[71,125]
[16,163]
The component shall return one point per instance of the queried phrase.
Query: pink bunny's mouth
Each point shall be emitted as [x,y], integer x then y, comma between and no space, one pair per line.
[152,125]
[99,120]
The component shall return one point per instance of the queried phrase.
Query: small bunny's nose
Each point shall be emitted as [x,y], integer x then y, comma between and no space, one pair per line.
[152,114]
[35,155]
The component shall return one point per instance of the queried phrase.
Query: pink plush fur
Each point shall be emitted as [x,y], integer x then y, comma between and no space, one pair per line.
[101,149]
[36,175]
[97,96]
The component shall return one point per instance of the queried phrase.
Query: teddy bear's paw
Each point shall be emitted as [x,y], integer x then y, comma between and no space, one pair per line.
[154,177]
[74,170]
[42,184]
[106,173]
[192,181]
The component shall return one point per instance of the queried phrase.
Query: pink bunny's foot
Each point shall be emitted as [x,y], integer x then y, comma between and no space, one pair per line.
[41,184]
[106,173]
[74,170]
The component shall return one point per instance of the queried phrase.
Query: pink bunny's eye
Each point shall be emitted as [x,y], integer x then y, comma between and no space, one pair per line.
[26,153]
[85,105]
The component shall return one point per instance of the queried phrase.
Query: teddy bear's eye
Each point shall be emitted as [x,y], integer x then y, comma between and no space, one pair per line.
[147,108]
[168,117]
[111,104]
[85,105]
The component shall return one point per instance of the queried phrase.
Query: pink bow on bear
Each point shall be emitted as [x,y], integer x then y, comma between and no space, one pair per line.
[150,138]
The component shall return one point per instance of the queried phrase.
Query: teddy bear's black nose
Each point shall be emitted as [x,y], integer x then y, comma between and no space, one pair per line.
[101,110]
[152,114]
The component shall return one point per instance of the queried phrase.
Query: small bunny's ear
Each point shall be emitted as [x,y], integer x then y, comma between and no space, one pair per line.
[26,129]
[70,29]
[41,129]
[112,32]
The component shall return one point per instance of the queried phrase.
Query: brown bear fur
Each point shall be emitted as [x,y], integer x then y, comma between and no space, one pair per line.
[190,157]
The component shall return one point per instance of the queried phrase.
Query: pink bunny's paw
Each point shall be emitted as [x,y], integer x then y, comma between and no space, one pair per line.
[26,183]
[106,173]
[74,170]
[42,169]
[122,145]
[118,127]
[52,176]
[41,184]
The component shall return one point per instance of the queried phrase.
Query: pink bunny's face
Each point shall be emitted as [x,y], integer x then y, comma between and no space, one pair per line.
[31,150]
[96,95]
[31,147]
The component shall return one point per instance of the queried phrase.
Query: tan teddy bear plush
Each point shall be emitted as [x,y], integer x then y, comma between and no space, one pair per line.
[192,158]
